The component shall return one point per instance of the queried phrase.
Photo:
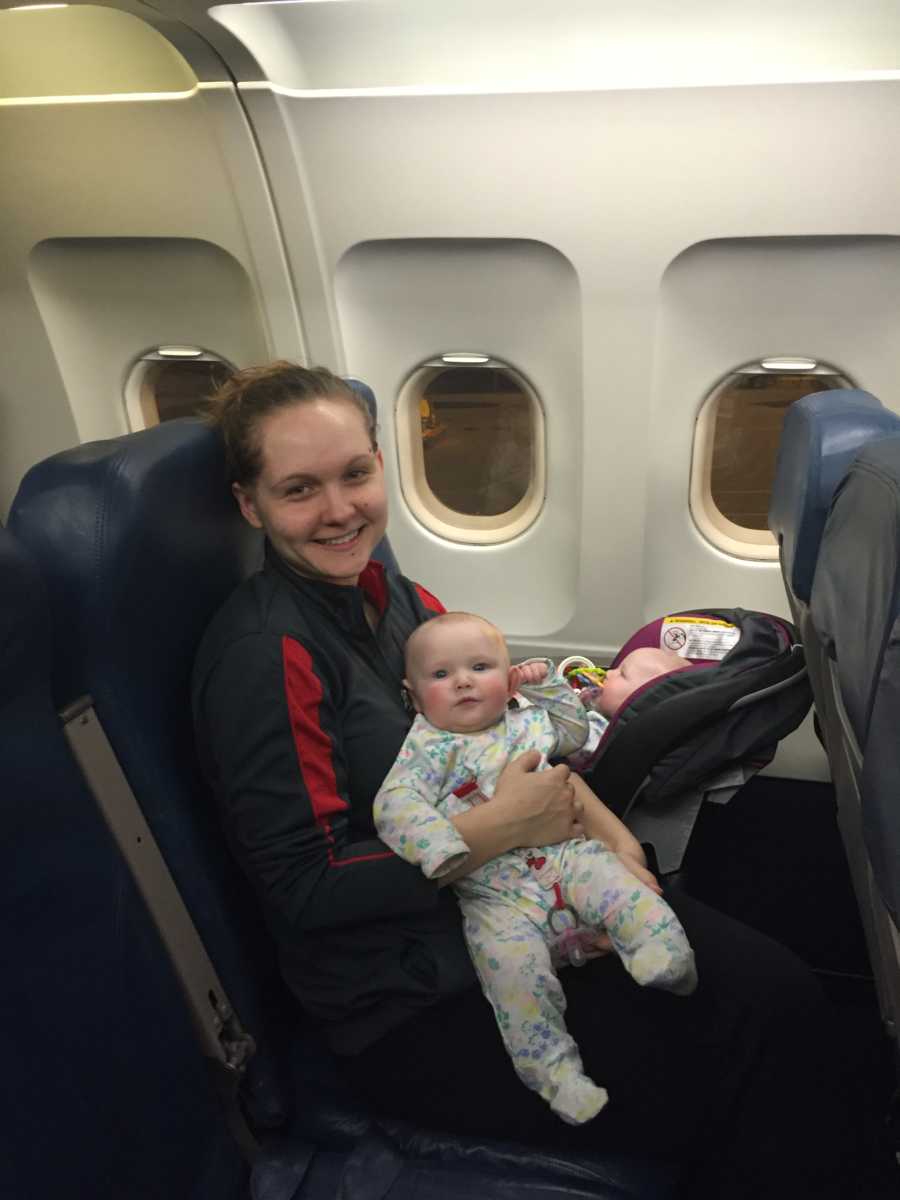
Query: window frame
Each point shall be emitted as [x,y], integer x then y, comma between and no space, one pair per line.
[432,513]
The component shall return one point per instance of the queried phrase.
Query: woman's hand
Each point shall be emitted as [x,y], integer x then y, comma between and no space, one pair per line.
[528,808]
[640,870]
[539,808]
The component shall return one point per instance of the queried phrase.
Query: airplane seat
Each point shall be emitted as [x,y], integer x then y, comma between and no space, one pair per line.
[104,1094]
[855,614]
[140,541]
[822,433]
[837,575]
[138,548]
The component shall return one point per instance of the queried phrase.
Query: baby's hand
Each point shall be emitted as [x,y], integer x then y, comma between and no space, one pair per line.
[527,672]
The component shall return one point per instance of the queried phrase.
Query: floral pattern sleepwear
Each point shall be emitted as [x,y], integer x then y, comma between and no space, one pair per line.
[507,902]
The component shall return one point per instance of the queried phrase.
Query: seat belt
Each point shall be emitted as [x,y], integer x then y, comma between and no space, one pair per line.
[225,1045]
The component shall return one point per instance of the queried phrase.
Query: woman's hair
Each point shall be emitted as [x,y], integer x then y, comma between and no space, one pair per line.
[247,397]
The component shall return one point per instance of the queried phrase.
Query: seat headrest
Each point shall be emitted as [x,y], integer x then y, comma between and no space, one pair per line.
[383,552]
[139,541]
[363,389]
[822,433]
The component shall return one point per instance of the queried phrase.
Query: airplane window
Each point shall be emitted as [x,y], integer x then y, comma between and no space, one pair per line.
[472,449]
[737,438]
[163,388]
[476,436]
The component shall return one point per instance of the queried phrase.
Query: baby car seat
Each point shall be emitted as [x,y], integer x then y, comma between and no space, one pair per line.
[689,732]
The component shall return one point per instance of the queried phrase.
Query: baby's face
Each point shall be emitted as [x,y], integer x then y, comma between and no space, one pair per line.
[635,669]
[458,675]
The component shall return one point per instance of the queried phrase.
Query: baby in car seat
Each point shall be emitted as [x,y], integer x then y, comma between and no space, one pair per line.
[520,906]
[637,668]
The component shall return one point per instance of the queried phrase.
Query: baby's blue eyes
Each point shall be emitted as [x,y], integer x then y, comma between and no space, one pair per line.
[442,673]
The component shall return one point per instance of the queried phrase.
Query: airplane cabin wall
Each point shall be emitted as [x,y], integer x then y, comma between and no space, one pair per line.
[139,216]
[623,249]
[623,185]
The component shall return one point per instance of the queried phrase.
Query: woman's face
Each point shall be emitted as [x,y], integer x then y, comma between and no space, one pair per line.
[320,494]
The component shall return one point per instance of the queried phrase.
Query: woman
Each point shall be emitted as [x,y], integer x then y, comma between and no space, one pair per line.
[300,715]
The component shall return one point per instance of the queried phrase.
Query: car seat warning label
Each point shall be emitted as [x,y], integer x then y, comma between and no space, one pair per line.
[698,637]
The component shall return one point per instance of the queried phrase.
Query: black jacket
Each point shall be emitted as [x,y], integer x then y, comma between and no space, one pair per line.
[299,717]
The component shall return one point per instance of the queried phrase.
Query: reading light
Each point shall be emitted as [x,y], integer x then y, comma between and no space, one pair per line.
[788,364]
[465,358]
[179,352]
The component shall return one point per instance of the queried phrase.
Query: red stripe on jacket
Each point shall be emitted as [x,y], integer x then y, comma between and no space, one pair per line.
[431,602]
[374,584]
[303,690]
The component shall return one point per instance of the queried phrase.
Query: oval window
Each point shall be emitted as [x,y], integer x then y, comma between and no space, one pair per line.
[736,446]
[172,382]
[471,445]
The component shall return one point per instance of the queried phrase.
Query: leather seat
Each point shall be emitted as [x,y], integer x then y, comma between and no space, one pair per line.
[104,1093]
[836,512]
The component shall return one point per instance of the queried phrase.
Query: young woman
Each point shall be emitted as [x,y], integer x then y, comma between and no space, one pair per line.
[299,715]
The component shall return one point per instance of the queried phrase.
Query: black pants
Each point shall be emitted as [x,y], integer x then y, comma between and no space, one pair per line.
[735,1082]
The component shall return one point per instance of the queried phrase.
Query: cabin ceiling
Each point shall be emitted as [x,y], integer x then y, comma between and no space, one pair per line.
[523,45]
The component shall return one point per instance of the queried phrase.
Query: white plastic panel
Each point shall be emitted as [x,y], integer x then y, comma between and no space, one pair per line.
[106,301]
[401,302]
[123,165]
[727,302]
[86,50]
[621,183]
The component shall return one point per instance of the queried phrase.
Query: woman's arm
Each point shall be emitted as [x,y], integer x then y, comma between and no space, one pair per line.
[600,823]
[273,748]
[606,827]
[528,808]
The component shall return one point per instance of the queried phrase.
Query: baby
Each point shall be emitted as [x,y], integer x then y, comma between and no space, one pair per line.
[515,906]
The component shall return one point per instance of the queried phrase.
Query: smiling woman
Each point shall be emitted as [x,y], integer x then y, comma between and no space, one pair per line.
[300,717]
[305,467]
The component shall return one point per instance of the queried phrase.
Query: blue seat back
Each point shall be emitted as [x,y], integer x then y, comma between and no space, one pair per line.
[855,611]
[104,1091]
[822,433]
[834,512]
[139,541]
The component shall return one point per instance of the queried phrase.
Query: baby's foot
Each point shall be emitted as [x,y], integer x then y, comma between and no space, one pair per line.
[578,1099]
[661,965]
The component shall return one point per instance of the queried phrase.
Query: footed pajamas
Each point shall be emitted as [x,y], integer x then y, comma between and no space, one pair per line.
[508,903]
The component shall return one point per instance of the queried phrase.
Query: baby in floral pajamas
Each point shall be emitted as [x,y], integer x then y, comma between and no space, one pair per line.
[460,680]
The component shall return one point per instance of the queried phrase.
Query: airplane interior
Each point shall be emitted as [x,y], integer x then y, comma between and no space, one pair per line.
[617,282]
